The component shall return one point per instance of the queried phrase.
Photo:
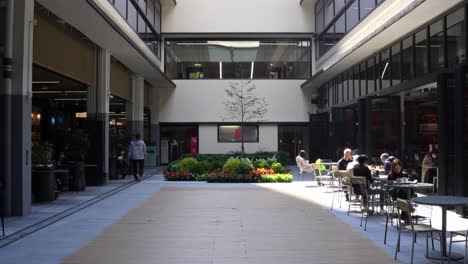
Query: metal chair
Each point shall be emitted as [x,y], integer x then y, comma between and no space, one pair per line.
[406,206]
[463,233]
[359,187]
[342,177]
[318,175]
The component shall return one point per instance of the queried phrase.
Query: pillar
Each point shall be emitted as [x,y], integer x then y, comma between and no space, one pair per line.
[154,123]
[135,107]
[98,119]
[21,104]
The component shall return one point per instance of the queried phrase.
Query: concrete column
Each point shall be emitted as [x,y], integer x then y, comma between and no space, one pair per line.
[6,54]
[21,104]
[154,123]
[135,107]
[98,119]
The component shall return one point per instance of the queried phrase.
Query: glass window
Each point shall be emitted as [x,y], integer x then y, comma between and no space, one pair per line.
[330,94]
[348,84]
[121,6]
[396,64]
[329,13]
[385,68]
[437,45]
[377,73]
[356,87]
[142,4]
[408,62]
[352,16]
[365,7]
[363,79]
[234,133]
[456,38]
[339,4]
[340,27]
[319,17]
[339,81]
[141,26]
[370,76]
[150,12]
[215,59]
[132,16]
[421,52]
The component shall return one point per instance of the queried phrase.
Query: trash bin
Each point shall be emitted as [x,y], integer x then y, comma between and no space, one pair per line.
[45,184]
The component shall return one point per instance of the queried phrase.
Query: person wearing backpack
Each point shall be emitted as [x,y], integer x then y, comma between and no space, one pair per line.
[137,154]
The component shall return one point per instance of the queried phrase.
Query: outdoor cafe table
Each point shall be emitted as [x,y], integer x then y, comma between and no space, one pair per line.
[409,186]
[444,202]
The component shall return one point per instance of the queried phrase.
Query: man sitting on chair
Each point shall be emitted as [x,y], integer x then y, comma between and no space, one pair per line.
[303,164]
[343,164]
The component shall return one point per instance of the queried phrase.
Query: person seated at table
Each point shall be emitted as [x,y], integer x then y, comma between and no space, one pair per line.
[343,163]
[361,170]
[387,161]
[397,172]
[303,164]
[353,163]
[428,164]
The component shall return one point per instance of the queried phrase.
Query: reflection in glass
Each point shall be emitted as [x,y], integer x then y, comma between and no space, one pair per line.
[234,133]
[396,64]
[370,75]
[455,38]
[408,64]
[385,69]
[421,52]
[437,45]
[352,16]
[363,79]
[215,59]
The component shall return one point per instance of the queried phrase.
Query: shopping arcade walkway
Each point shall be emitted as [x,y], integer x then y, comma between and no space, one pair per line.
[228,224]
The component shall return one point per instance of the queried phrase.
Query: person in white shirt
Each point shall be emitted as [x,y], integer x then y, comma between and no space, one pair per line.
[303,164]
[137,154]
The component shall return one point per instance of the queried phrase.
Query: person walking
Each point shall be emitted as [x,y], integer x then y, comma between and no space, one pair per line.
[137,154]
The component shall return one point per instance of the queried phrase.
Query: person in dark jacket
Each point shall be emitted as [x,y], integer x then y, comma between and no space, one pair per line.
[361,170]
[347,158]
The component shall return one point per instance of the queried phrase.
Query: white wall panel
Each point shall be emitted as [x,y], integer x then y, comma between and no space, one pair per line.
[208,137]
[202,101]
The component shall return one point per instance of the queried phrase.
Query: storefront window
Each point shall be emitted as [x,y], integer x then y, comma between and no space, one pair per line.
[437,45]
[233,133]
[408,62]
[456,38]
[396,64]
[252,59]
[421,52]
[339,81]
[377,73]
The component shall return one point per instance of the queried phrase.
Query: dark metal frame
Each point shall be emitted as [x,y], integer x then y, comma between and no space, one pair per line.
[336,16]
[227,38]
[238,124]
[156,34]
[378,61]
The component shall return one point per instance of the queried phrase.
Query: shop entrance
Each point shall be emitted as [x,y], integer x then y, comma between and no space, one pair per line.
[292,139]
[176,140]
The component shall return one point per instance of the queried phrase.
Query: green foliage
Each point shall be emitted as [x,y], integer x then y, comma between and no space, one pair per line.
[42,152]
[261,163]
[201,168]
[245,166]
[232,178]
[232,164]
[278,168]
[187,165]
[173,165]
[277,178]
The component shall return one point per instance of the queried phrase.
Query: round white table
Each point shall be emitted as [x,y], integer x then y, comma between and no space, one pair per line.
[444,202]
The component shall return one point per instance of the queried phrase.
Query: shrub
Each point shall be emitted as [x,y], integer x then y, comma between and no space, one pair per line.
[245,166]
[232,178]
[232,164]
[187,165]
[261,171]
[178,176]
[173,165]
[261,163]
[276,178]
[278,168]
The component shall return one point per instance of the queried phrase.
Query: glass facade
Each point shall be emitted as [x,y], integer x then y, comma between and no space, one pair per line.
[437,46]
[334,18]
[238,59]
[144,17]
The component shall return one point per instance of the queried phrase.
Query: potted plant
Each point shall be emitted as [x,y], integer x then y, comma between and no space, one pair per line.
[78,145]
[44,185]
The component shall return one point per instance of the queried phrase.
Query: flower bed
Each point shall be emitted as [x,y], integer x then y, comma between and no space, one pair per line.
[208,168]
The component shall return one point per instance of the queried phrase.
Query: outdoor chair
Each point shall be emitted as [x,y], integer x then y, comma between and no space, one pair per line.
[463,233]
[406,206]
[342,177]
[318,175]
[301,171]
[359,187]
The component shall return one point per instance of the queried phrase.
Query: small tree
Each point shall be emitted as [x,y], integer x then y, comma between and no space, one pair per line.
[243,105]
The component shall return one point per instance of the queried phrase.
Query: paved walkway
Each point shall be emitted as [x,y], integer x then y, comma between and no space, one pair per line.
[229,224]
